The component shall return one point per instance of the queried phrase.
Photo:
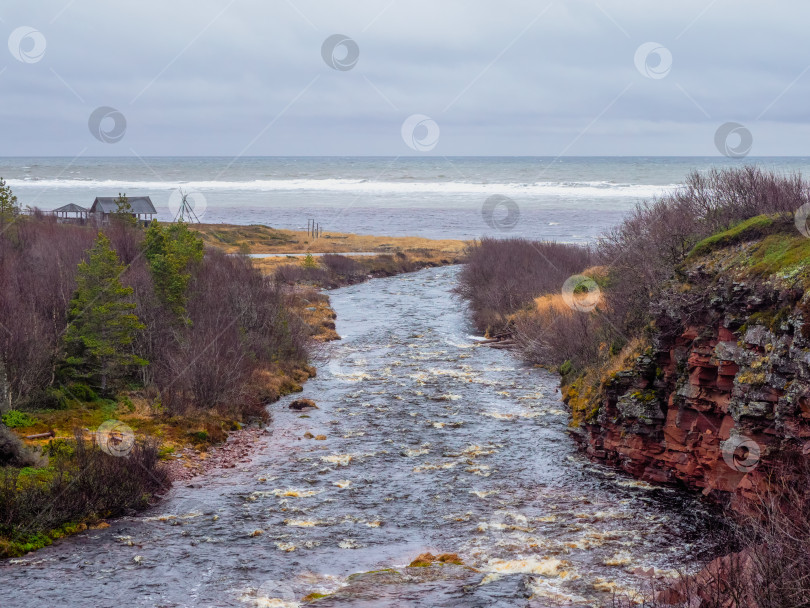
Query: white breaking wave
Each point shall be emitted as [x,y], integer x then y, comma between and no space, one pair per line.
[516,190]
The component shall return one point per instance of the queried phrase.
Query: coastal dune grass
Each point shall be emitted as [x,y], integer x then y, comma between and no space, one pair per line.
[264,239]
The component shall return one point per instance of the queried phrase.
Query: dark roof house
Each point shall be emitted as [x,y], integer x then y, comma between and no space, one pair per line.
[141,205]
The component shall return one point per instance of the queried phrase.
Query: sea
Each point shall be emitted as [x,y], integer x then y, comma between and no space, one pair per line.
[568,199]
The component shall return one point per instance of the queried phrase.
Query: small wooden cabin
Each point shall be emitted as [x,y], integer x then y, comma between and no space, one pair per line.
[142,208]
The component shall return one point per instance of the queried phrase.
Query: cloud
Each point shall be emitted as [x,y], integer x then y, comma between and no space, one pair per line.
[228,77]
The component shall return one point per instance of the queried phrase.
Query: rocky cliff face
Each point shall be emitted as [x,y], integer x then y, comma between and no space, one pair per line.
[723,391]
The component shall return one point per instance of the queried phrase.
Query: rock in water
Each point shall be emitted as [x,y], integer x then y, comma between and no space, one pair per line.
[301,405]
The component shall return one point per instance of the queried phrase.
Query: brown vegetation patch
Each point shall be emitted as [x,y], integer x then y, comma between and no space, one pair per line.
[427,559]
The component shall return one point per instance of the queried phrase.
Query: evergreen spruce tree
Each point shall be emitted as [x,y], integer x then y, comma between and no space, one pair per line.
[102,323]
[9,209]
[172,251]
[309,261]
[123,210]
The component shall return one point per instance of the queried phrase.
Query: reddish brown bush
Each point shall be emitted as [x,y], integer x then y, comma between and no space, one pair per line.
[342,267]
[503,276]
[637,258]
[83,483]
[38,262]
[769,562]
[296,274]
[644,251]
[237,320]
[238,324]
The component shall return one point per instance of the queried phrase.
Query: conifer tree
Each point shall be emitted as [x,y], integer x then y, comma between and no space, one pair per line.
[172,251]
[9,209]
[102,322]
[123,210]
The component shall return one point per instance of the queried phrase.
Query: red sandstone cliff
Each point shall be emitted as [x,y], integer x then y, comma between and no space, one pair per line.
[723,391]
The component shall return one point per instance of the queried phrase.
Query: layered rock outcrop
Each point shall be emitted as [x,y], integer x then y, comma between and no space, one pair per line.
[722,392]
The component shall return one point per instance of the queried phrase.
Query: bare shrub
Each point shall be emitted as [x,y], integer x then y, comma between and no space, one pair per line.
[84,483]
[125,239]
[238,323]
[552,333]
[501,276]
[769,563]
[645,250]
[342,267]
[38,263]
[637,258]
[13,452]
[293,274]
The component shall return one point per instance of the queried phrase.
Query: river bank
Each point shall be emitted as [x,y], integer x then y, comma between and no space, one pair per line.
[682,342]
[190,462]
[191,441]
[429,445]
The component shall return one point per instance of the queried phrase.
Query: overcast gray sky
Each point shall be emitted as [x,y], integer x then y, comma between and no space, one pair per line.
[224,77]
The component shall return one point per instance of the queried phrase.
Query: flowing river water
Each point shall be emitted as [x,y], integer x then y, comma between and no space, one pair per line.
[432,444]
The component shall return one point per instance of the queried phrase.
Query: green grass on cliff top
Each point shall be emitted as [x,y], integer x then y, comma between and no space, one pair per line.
[777,247]
[749,230]
[783,255]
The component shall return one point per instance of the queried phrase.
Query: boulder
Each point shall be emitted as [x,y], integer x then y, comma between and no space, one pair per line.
[300,405]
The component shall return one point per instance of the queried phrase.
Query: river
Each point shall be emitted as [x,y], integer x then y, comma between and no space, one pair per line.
[432,444]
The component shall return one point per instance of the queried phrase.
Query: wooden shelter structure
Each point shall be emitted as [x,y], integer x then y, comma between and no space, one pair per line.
[71,213]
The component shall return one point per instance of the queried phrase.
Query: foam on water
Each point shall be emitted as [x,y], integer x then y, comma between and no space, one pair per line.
[566,199]
[402,472]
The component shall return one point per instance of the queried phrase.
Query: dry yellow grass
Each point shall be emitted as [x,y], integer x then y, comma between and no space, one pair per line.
[372,263]
[553,303]
[263,239]
[597,273]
